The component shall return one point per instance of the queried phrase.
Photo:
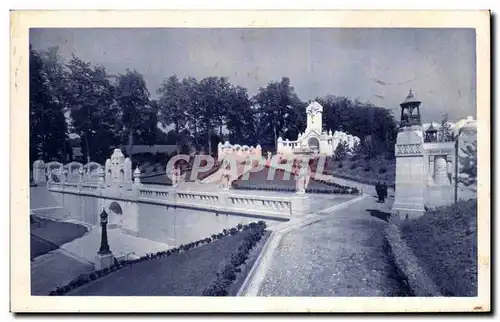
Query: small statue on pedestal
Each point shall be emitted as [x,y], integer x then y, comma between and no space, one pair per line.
[302,179]
[226,176]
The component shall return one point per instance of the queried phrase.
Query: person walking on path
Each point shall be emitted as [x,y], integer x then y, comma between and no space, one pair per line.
[383,192]
[378,188]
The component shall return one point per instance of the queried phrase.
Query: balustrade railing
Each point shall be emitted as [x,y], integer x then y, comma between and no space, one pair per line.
[209,200]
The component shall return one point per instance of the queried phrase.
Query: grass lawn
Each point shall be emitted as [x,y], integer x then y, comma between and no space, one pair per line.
[365,171]
[184,274]
[445,241]
[47,235]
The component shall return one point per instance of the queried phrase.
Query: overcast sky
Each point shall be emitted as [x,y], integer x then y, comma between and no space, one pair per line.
[376,65]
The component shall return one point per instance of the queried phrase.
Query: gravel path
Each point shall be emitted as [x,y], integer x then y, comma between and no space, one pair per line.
[344,254]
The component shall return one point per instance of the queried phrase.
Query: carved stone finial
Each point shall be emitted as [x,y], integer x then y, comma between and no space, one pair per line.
[137,176]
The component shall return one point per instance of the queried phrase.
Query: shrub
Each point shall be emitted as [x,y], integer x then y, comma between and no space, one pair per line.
[341,165]
[382,170]
[353,166]
[224,278]
[367,168]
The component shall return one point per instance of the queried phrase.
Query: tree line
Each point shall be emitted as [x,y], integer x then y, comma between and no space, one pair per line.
[106,111]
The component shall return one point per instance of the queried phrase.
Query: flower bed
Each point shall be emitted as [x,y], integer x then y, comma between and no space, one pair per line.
[308,190]
[269,179]
[96,275]
[225,278]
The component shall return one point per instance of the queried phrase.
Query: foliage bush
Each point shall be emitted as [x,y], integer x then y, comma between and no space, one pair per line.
[224,279]
[83,279]
[382,170]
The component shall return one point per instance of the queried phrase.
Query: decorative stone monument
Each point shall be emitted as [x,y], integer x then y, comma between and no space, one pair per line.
[410,177]
[314,139]
[39,171]
[104,258]
[118,168]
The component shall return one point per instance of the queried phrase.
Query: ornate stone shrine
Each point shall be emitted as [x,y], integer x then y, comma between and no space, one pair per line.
[314,139]
[425,168]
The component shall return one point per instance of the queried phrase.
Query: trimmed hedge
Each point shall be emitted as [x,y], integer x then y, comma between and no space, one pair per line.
[87,278]
[225,278]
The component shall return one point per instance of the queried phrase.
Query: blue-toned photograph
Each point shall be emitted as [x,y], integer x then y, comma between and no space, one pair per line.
[338,162]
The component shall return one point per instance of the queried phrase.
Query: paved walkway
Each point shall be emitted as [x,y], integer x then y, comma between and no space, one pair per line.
[121,245]
[341,254]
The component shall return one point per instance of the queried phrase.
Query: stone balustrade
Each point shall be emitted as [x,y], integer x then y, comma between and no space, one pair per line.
[217,201]
[116,181]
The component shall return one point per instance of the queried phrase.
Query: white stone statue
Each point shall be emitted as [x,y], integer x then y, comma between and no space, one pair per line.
[302,179]
[226,176]
[300,182]
[176,176]
[269,155]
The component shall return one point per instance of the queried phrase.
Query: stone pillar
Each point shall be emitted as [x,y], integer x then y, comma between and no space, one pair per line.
[441,170]
[410,176]
[39,172]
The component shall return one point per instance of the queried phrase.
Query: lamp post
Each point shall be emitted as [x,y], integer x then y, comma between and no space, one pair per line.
[104,249]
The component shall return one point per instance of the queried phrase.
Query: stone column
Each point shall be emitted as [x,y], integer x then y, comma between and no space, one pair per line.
[410,176]
[39,172]
[441,170]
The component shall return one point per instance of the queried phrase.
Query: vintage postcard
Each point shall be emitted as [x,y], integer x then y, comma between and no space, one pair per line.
[250,161]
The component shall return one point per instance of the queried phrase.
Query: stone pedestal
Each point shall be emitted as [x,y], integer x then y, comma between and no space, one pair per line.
[103,261]
[410,174]
[300,205]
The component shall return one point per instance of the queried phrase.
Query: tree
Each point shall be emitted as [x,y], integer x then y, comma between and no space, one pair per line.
[361,120]
[94,116]
[446,134]
[356,151]
[173,101]
[48,129]
[469,164]
[240,117]
[137,112]
[276,105]
[341,151]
